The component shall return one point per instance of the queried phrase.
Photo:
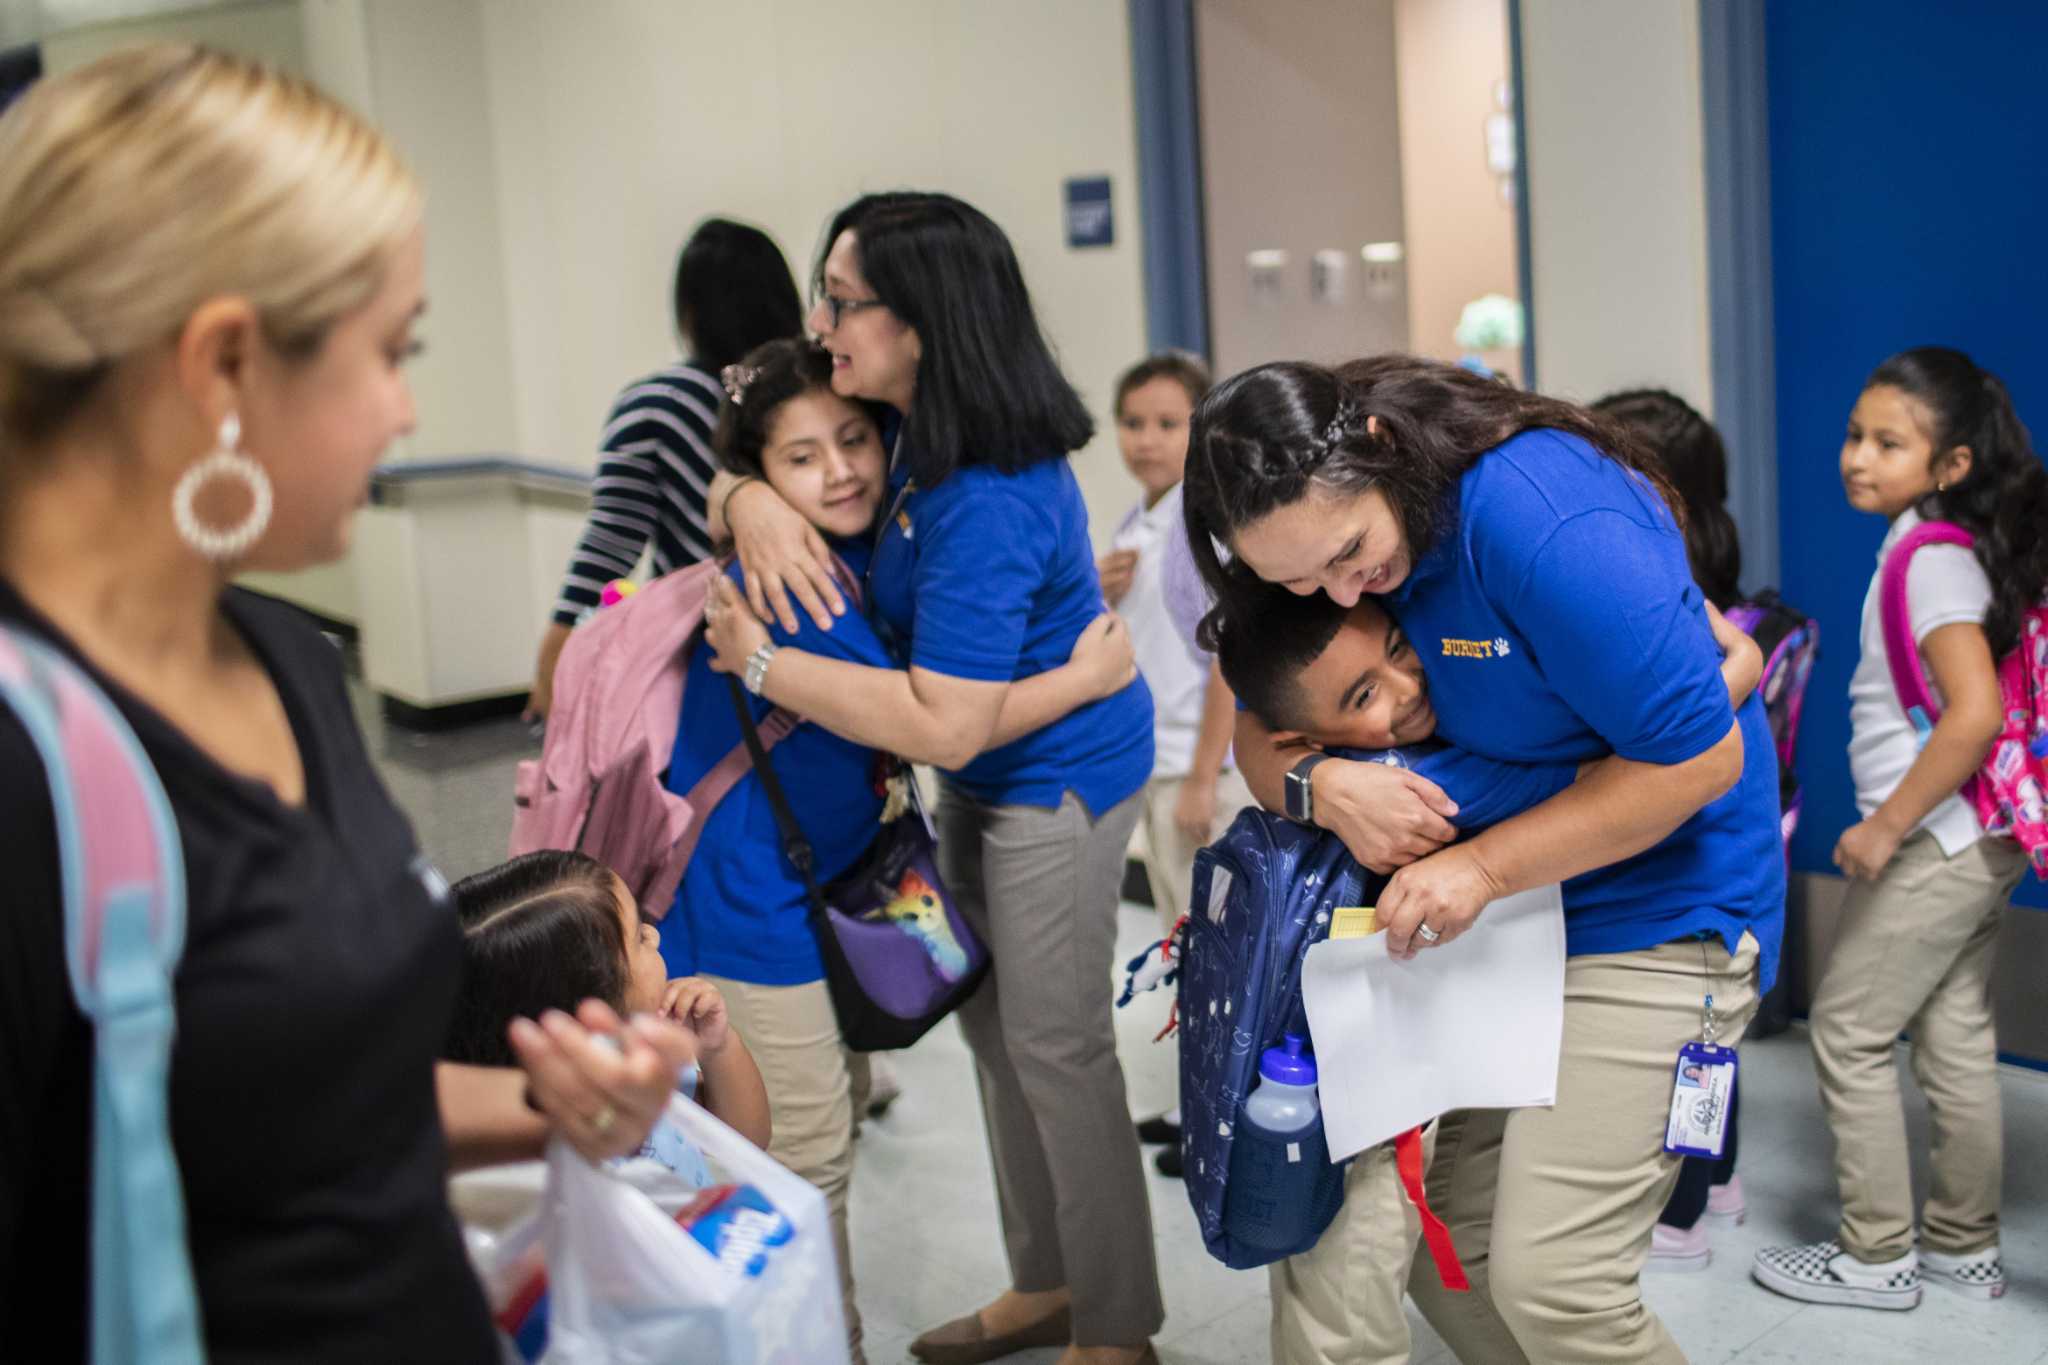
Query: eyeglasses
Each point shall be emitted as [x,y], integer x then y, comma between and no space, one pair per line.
[838,308]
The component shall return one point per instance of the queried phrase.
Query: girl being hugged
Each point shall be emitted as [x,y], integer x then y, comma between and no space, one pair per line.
[739,920]
[1933,437]
[984,578]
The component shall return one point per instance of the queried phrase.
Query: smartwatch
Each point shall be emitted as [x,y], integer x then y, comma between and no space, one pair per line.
[1301,804]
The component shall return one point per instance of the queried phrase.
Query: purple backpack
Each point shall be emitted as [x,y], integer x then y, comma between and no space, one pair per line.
[1790,641]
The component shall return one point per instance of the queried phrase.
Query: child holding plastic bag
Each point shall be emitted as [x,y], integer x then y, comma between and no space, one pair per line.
[551,928]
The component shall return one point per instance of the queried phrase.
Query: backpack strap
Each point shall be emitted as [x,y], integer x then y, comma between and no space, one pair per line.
[123,879]
[725,775]
[1901,651]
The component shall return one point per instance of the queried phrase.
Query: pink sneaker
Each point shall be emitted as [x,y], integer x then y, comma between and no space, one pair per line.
[1679,1248]
[1725,1202]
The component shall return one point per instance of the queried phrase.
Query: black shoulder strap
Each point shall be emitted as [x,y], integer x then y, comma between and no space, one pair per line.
[794,844]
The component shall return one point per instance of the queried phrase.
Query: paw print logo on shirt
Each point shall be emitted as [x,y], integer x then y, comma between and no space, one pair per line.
[1500,646]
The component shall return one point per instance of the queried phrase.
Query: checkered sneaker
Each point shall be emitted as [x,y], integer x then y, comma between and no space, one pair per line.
[1821,1272]
[1978,1275]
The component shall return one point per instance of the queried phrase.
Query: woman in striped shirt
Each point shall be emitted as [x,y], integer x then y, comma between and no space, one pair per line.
[733,292]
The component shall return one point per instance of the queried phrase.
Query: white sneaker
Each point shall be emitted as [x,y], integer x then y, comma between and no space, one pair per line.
[1679,1248]
[1821,1272]
[1977,1275]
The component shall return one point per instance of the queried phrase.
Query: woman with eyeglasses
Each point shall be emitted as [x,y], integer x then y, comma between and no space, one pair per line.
[982,575]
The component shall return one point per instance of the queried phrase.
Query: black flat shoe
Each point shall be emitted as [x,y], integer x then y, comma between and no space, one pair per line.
[1167,1161]
[1158,1131]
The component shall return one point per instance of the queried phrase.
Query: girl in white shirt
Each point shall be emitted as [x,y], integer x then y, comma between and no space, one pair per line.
[1932,437]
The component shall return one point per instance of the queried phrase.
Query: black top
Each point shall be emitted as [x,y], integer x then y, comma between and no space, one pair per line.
[320,970]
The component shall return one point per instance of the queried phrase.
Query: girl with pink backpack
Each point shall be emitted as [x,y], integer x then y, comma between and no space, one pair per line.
[1935,446]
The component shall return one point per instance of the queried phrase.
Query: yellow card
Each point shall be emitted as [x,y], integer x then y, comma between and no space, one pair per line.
[1354,921]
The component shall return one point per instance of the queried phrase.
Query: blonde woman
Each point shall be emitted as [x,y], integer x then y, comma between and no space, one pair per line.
[210,277]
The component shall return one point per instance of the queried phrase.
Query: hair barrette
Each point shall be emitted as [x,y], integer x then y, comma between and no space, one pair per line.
[736,378]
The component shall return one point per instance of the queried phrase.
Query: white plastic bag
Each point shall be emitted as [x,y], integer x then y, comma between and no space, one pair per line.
[629,1285]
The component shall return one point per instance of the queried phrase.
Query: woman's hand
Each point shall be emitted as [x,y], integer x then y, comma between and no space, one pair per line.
[695,1003]
[542,695]
[1105,656]
[1386,816]
[731,628]
[1116,569]
[1865,847]
[782,554]
[603,1098]
[1444,893]
[1194,813]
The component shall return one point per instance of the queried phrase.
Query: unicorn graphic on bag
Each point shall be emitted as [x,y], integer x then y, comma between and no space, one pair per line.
[919,912]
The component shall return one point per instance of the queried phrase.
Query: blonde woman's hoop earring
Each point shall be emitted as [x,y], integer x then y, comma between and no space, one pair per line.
[226,462]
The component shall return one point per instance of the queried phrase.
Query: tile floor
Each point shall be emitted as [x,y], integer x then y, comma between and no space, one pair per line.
[924,1217]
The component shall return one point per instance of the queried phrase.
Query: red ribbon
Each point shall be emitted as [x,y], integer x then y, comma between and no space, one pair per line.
[1408,1160]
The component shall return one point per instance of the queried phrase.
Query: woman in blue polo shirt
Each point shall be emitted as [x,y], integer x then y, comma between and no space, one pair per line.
[1528,551]
[739,917]
[984,576]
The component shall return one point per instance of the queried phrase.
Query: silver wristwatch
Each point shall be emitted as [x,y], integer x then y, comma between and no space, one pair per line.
[757,666]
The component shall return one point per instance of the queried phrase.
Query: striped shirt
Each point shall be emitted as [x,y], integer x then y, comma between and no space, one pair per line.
[652,480]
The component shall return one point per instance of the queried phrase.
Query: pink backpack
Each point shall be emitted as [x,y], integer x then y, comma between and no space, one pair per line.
[597,785]
[2008,791]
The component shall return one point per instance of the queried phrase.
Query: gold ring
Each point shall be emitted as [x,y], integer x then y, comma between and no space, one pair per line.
[603,1120]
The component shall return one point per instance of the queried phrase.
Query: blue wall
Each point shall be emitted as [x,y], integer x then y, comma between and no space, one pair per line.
[1909,205]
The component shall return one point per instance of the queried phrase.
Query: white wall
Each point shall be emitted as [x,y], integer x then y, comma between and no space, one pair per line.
[617,124]
[1617,196]
[266,29]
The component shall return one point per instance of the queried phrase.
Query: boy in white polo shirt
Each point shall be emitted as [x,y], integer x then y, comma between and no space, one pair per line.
[1195,790]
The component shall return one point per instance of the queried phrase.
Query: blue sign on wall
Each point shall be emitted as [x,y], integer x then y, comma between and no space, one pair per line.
[1090,220]
[1955,170]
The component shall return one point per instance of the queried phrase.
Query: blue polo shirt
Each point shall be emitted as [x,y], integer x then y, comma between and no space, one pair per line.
[740,910]
[1557,620]
[991,576]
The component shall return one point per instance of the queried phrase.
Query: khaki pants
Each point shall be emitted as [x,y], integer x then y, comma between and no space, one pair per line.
[1040,886]
[815,1090]
[1580,1184]
[1339,1303]
[1464,1176]
[1170,854]
[1914,953]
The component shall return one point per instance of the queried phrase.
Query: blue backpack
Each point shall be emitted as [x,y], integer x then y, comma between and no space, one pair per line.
[1263,895]
[123,875]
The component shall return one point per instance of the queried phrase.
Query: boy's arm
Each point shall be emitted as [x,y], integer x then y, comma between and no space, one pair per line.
[1487,790]
[1742,662]
[1196,810]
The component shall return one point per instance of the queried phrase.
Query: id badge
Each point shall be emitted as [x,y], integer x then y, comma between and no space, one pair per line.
[1703,1083]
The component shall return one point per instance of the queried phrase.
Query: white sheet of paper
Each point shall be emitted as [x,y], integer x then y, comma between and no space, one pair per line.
[1475,1024]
